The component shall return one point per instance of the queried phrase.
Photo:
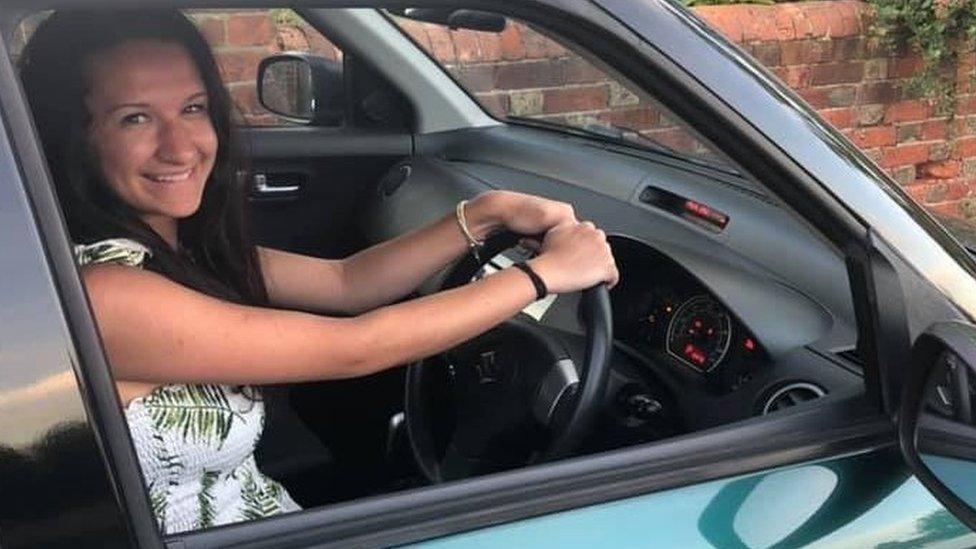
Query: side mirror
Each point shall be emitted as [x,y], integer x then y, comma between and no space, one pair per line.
[302,88]
[936,430]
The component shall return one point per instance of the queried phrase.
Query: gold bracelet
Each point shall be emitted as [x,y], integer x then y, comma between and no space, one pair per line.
[474,245]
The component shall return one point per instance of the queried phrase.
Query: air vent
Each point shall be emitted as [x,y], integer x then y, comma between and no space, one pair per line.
[792,394]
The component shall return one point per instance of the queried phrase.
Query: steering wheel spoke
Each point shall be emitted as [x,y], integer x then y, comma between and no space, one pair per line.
[558,384]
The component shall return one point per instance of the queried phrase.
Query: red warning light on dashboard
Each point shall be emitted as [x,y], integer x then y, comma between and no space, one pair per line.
[748,344]
[694,354]
[705,213]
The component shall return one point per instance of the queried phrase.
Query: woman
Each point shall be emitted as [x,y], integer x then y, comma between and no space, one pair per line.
[136,127]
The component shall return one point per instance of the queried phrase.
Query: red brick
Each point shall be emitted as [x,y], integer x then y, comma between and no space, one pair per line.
[528,74]
[949,209]
[934,130]
[806,52]
[945,169]
[853,11]
[725,19]
[966,104]
[240,65]
[536,45]
[511,44]
[758,23]
[442,47]
[767,53]
[466,46]
[904,155]
[795,77]
[636,118]
[816,97]
[785,30]
[829,97]
[957,189]
[249,29]
[965,147]
[846,49]
[585,98]
[839,118]
[907,111]
[941,190]
[577,71]
[491,46]
[837,73]
[905,67]
[876,136]
[851,15]
[879,92]
[917,191]
[478,78]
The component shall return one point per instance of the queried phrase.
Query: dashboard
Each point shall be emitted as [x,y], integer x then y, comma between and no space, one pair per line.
[738,312]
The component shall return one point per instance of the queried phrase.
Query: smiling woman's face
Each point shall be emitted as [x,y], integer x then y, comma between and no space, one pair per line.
[150,130]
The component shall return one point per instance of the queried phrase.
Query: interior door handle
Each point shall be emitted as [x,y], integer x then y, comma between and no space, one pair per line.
[260,187]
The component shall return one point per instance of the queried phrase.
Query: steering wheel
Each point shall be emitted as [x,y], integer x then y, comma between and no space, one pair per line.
[511,396]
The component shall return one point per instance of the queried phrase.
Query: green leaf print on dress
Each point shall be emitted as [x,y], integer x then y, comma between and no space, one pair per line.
[208,510]
[260,500]
[201,413]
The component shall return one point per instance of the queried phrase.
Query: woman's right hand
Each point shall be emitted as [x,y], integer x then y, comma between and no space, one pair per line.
[575,256]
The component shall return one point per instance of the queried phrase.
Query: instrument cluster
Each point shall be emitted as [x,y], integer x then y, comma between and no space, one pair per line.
[662,310]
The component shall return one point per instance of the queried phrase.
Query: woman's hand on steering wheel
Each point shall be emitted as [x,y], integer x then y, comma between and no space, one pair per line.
[575,256]
[572,256]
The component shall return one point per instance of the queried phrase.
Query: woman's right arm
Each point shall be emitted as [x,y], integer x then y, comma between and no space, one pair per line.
[156,331]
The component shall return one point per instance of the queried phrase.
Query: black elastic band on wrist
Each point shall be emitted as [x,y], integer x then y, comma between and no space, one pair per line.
[540,287]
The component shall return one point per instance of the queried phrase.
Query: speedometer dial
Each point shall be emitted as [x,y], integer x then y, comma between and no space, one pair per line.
[699,333]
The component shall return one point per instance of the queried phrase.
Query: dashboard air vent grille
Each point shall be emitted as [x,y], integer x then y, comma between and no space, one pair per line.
[792,394]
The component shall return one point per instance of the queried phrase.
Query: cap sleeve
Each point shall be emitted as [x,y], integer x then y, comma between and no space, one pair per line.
[121,251]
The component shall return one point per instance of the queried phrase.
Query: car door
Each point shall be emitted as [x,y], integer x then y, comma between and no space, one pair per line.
[704,471]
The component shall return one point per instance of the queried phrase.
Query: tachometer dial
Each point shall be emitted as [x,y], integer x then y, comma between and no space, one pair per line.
[699,333]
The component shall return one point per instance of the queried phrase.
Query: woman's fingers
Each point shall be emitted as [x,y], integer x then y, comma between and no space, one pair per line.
[576,256]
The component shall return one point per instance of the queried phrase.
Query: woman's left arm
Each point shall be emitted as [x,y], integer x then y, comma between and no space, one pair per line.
[386,272]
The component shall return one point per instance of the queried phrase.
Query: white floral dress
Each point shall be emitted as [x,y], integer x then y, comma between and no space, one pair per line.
[195,443]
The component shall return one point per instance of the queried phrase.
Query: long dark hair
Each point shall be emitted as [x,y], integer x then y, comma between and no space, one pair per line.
[215,255]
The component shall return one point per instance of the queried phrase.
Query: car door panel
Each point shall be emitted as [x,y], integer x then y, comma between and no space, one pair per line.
[332,169]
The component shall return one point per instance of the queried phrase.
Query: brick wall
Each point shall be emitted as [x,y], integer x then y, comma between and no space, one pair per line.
[820,49]
[824,52]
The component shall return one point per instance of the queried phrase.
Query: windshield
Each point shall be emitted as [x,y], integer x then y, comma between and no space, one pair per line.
[523,76]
